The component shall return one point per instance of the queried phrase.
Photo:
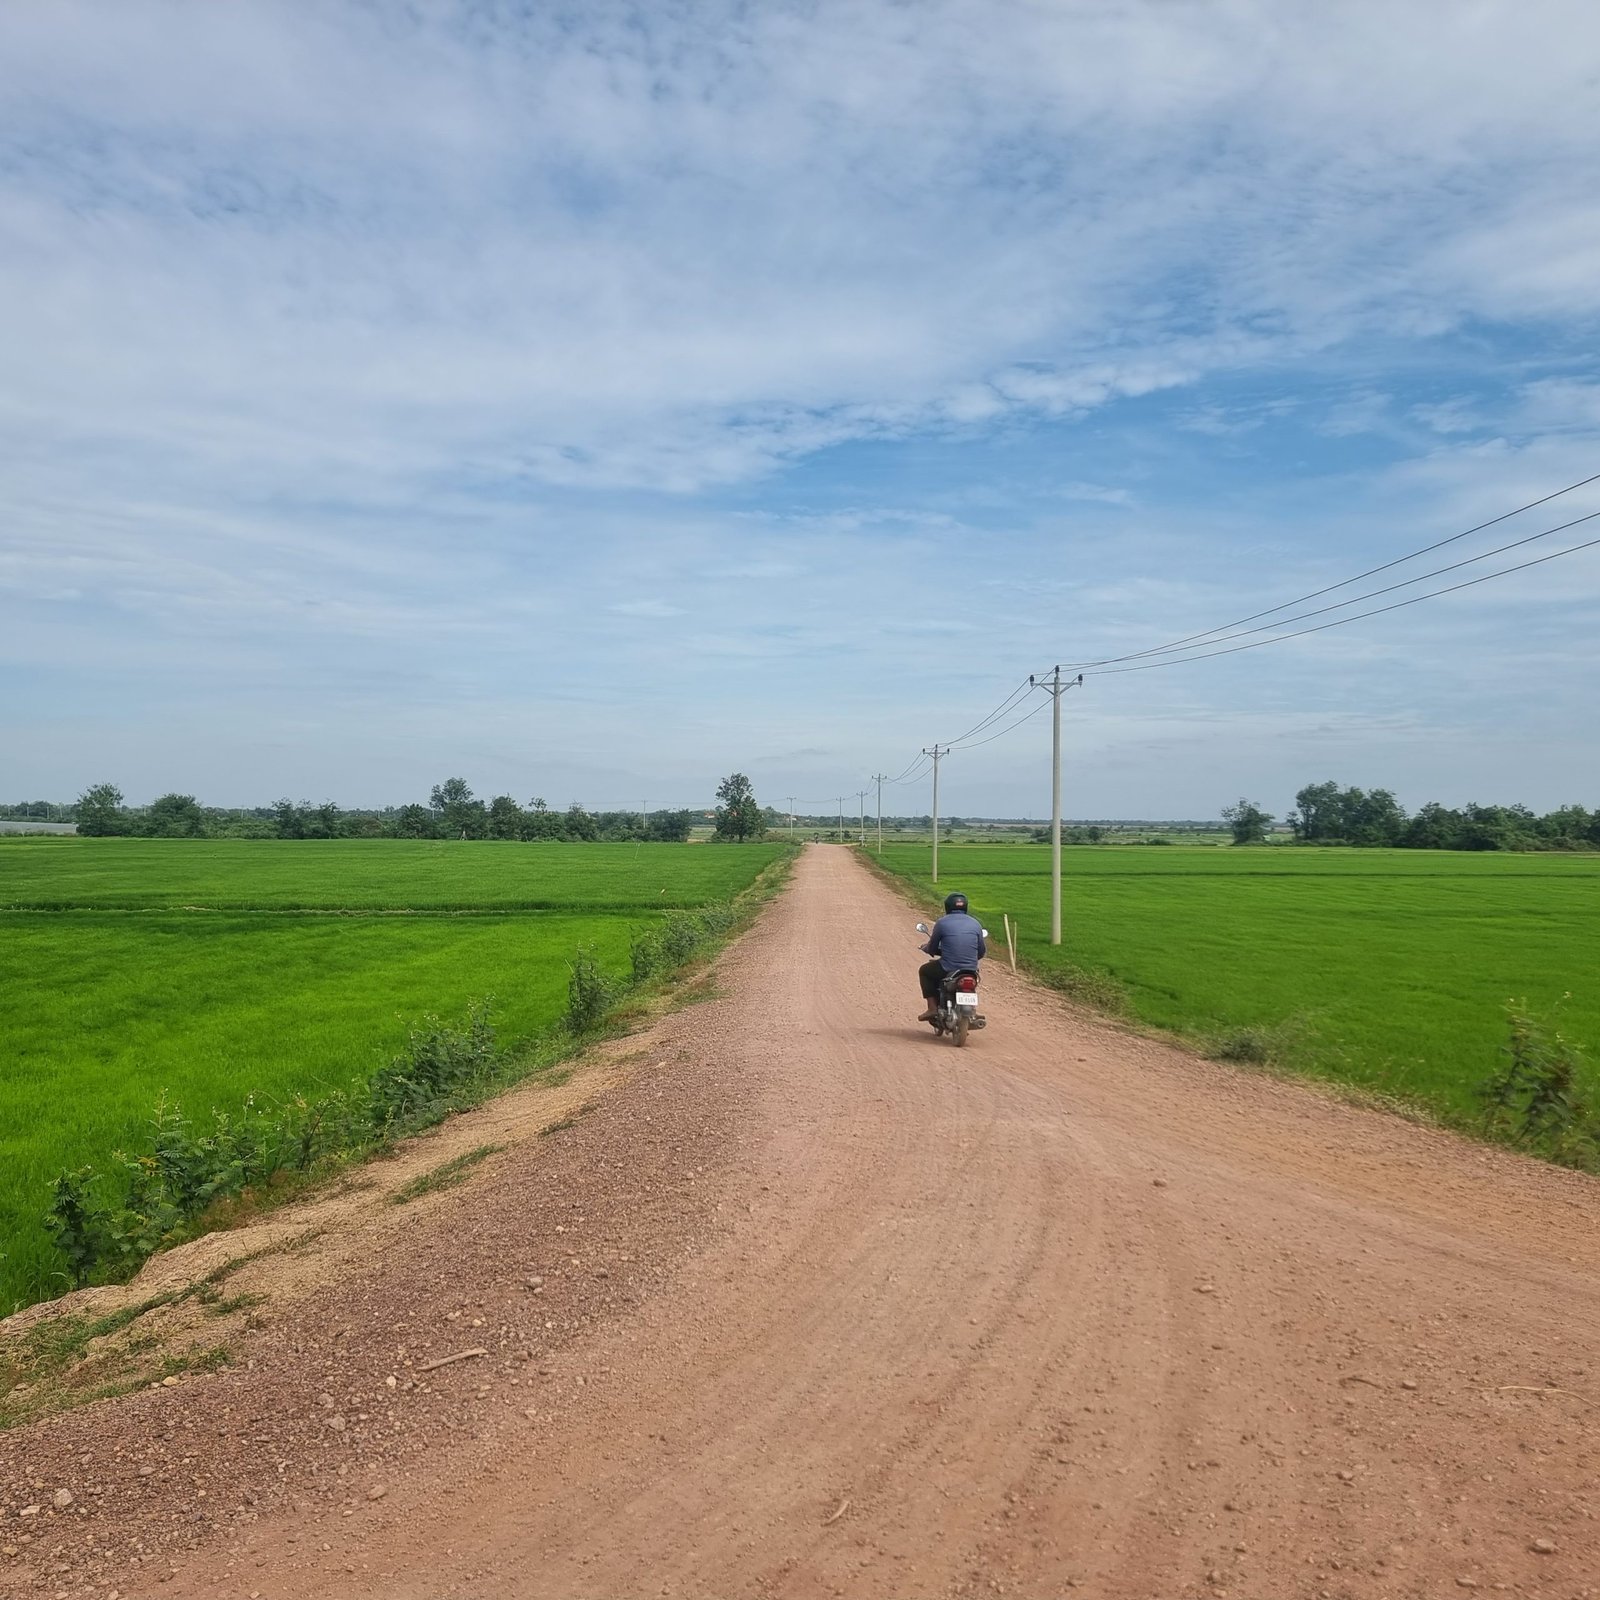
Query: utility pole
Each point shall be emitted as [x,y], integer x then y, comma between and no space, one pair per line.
[877,778]
[861,795]
[936,752]
[841,819]
[791,819]
[1055,688]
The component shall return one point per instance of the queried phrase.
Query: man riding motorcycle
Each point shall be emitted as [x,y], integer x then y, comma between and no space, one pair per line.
[956,945]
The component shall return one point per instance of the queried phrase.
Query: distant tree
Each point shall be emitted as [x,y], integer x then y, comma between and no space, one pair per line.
[540,822]
[738,814]
[505,818]
[579,825]
[288,821]
[99,810]
[1248,821]
[1374,818]
[322,822]
[1567,827]
[671,827]
[1326,814]
[1497,828]
[414,822]
[1435,827]
[460,816]
[175,816]
[1318,813]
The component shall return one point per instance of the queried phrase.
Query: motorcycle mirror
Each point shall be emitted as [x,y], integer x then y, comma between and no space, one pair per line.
[986,933]
[922,927]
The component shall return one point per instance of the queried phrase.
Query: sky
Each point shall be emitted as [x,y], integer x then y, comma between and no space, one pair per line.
[592,399]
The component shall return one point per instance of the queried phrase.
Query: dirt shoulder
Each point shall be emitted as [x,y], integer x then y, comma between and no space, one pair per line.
[809,1303]
[331,1309]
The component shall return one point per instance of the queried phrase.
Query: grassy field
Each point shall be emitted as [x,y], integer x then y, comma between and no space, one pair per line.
[107,1008]
[364,875]
[1386,968]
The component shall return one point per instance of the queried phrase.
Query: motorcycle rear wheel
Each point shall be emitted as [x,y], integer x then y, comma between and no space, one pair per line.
[963,1022]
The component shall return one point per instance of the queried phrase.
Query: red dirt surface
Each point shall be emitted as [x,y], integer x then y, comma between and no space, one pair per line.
[826,1307]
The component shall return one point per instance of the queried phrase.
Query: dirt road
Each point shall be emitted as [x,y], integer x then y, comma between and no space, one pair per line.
[1064,1313]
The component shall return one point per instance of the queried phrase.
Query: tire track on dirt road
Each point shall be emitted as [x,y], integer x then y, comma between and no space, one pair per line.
[1064,1312]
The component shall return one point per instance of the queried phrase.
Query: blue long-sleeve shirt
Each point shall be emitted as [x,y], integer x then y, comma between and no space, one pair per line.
[957,940]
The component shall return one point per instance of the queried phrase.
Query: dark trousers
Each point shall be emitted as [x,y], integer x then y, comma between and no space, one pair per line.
[932,975]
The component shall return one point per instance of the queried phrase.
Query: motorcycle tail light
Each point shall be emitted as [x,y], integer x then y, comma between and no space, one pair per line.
[967,983]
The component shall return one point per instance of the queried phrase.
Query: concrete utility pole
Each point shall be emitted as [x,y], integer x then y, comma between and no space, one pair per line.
[791,819]
[861,795]
[936,752]
[877,778]
[1055,688]
[841,819]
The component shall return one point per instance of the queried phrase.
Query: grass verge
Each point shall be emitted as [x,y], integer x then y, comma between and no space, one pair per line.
[447,1175]
[59,1362]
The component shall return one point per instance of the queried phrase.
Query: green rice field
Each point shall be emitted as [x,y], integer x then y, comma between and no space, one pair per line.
[307,969]
[68,873]
[1384,968]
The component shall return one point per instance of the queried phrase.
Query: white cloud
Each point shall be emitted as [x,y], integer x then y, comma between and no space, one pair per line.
[681,251]
[1459,415]
[645,608]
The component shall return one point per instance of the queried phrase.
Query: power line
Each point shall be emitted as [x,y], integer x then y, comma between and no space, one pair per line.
[1010,727]
[1107,666]
[1339,605]
[911,772]
[1377,611]
[1344,583]
[999,711]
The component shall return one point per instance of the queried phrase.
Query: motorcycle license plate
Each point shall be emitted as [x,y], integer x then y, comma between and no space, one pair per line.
[966,1000]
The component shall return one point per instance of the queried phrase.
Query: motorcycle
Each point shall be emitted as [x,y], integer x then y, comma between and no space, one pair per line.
[956,1012]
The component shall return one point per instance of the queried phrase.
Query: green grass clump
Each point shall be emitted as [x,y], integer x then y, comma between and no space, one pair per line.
[1389,969]
[447,1175]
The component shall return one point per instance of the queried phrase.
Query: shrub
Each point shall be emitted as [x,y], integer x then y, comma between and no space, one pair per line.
[645,958]
[1249,1046]
[676,939]
[591,992]
[439,1062]
[1533,1098]
[77,1223]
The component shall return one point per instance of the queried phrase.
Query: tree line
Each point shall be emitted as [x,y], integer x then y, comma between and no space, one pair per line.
[452,812]
[1325,814]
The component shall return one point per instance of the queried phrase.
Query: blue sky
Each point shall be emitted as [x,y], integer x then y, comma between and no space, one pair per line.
[592,400]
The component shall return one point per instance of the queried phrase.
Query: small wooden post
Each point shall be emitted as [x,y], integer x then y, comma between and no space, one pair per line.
[1011,945]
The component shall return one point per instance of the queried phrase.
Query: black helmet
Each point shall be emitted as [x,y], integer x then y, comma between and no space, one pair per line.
[955,902]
